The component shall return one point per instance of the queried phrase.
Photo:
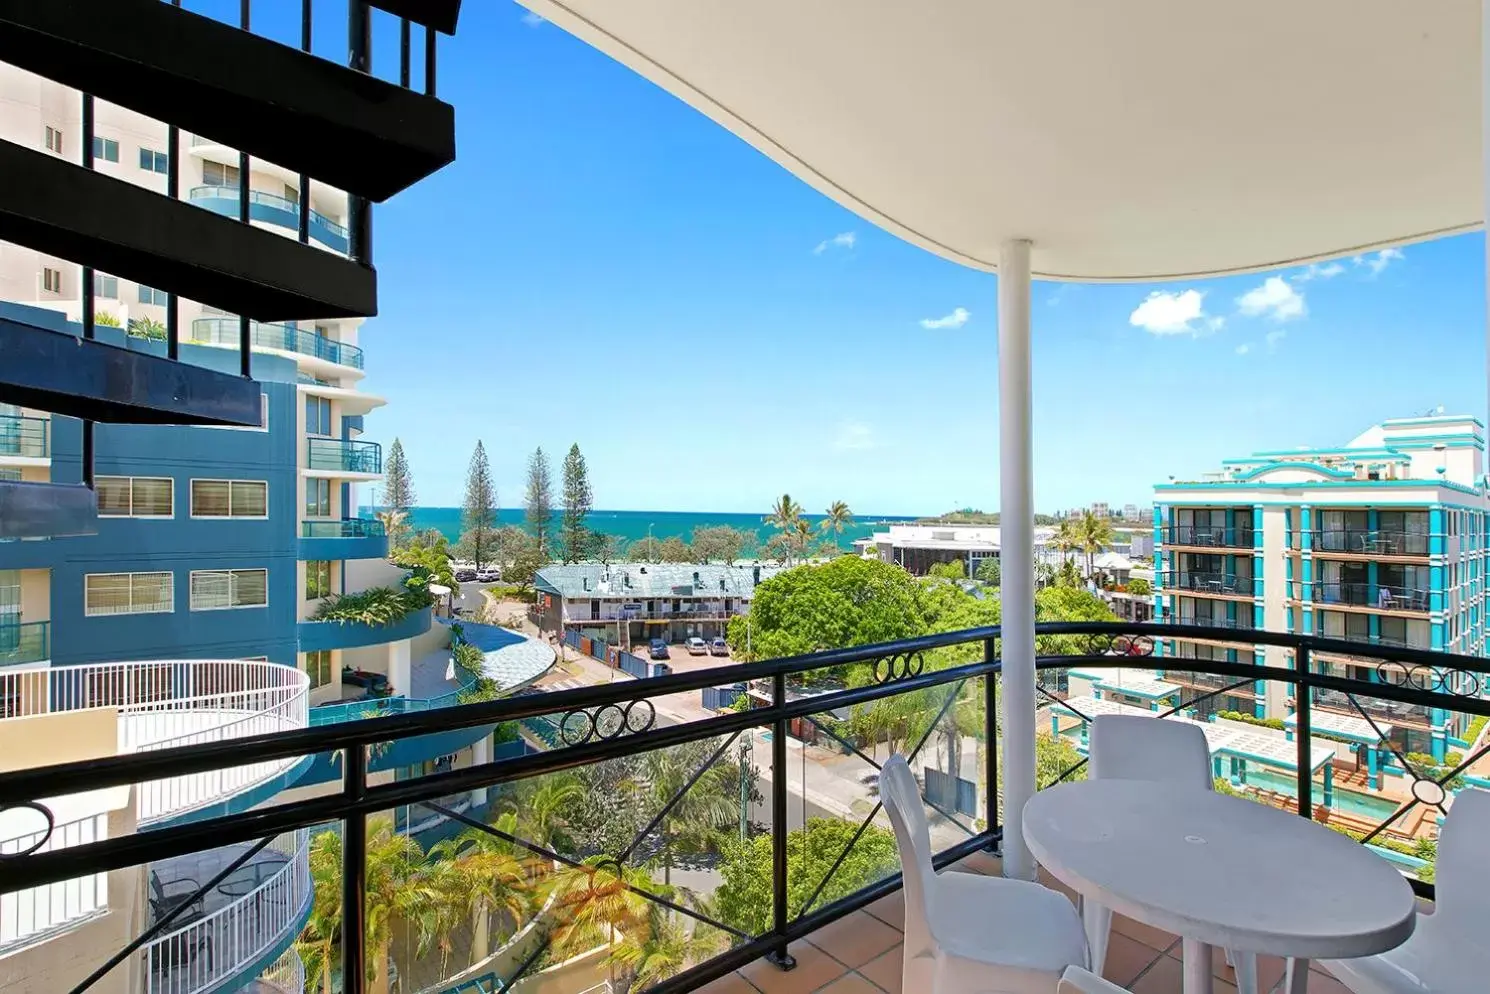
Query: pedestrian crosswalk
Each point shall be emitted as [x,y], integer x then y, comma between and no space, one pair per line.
[565,683]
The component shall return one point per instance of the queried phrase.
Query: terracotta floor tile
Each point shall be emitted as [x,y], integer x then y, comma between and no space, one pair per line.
[1126,959]
[986,863]
[1167,976]
[814,969]
[1324,983]
[730,983]
[885,970]
[855,939]
[850,984]
[1270,969]
[890,910]
[1154,938]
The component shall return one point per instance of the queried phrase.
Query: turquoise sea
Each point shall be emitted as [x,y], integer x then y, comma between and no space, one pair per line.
[632,525]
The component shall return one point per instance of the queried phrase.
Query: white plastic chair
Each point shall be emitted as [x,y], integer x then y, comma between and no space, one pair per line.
[971,934]
[1446,953]
[1078,981]
[1133,747]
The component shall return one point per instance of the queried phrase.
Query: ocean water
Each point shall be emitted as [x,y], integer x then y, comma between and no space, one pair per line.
[632,525]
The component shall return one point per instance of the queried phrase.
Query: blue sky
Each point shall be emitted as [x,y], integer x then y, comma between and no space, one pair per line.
[603,265]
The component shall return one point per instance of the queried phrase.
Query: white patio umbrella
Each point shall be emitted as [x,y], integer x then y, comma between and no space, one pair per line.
[1084,140]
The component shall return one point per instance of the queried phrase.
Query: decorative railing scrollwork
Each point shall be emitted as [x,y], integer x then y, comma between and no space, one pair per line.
[899,666]
[607,722]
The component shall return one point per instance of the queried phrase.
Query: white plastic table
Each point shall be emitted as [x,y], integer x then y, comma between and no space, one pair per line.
[1220,871]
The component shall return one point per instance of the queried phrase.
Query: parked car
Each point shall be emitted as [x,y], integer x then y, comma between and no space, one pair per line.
[718,647]
[658,650]
[697,646]
[489,576]
[465,575]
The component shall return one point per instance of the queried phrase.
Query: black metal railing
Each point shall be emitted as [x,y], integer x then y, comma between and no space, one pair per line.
[1206,536]
[1382,595]
[1199,582]
[819,697]
[1364,541]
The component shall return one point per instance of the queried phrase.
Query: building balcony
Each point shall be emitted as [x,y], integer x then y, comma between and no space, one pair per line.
[270,208]
[844,901]
[318,635]
[1204,537]
[164,704]
[345,459]
[277,338]
[25,441]
[25,642]
[251,917]
[1363,543]
[349,538]
[1229,585]
[1385,597]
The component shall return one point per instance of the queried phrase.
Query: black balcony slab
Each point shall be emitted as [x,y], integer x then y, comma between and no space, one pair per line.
[438,14]
[46,510]
[62,209]
[83,378]
[305,113]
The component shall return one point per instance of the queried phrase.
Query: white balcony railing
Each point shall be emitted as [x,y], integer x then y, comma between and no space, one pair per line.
[32,913]
[162,704]
[253,910]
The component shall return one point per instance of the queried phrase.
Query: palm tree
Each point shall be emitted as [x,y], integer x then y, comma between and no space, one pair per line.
[393,863]
[1065,538]
[692,823]
[784,514]
[1093,534]
[800,535]
[836,519]
[395,523]
[544,809]
[664,948]
[595,900]
[319,941]
[491,878]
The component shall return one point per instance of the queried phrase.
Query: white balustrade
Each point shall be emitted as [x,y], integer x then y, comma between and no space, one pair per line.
[30,914]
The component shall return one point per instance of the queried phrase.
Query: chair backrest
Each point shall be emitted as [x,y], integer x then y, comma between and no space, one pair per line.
[1078,981]
[1462,871]
[902,800]
[1132,747]
[157,892]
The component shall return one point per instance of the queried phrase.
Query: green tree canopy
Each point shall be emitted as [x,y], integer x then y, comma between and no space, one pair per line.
[955,570]
[988,571]
[398,481]
[577,539]
[1139,587]
[743,898]
[478,516]
[846,601]
[674,550]
[720,542]
[538,503]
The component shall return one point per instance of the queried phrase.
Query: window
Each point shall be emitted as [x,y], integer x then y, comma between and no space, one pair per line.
[225,589]
[317,580]
[135,496]
[105,286]
[128,593]
[317,416]
[318,498]
[105,148]
[292,194]
[318,667]
[216,174]
[150,295]
[54,140]
[156,162]
[229,499]
[51,280]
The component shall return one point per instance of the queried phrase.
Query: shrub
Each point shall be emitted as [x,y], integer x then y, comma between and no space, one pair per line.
[375,606]
[1476,726]
[468,658]
[1252,719]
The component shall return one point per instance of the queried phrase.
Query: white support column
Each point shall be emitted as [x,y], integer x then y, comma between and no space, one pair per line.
[480,755]
[1017,551]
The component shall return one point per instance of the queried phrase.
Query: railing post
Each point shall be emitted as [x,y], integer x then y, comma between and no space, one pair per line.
[990,740]
[779,955]
[354,877]
[1301,731]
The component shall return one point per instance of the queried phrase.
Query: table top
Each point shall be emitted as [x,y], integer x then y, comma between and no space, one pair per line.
[250,877]
[1223,870]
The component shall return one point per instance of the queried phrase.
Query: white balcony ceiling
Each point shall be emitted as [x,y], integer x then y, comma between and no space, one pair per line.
[1133,140]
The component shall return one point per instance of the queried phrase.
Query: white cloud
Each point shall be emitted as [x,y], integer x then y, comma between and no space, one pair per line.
[1243,349]
[956,319]
[1180,313]
[1375,262]
[1316,271]
[854,435]
[844,240]
[1274,337]
[533,20]
[1276,299]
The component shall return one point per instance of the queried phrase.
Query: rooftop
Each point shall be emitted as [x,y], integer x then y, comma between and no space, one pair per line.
[643,580]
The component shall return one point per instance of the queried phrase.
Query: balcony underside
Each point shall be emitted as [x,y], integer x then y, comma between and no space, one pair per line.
[345,128]
[84,216]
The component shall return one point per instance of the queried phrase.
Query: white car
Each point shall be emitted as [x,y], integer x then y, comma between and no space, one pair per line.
[697,646]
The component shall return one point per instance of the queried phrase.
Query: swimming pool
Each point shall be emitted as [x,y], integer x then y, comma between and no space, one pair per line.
[1348,801]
